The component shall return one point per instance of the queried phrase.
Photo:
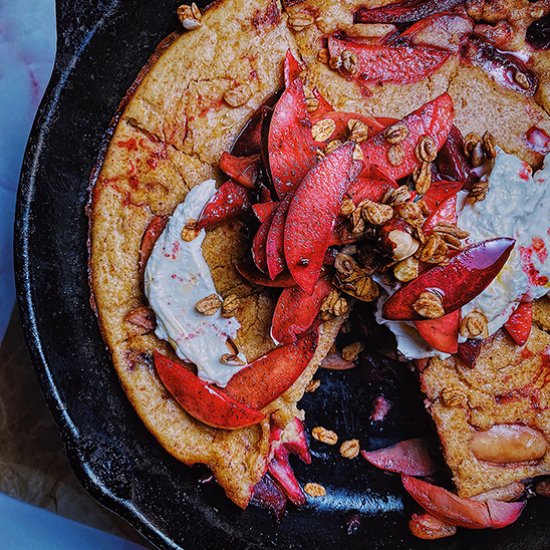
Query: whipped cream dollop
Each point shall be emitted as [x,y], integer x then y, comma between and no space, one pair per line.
[517,205]
[176,278]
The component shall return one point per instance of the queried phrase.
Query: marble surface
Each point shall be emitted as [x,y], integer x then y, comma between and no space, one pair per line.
[27,48]
[33,464]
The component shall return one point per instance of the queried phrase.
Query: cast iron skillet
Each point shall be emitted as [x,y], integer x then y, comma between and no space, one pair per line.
[101,47]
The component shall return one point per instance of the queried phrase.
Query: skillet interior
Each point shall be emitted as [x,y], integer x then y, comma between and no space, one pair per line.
[101,47]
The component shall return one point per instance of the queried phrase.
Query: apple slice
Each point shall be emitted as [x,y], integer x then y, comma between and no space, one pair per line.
[291,150]
[407,11]
[439,192]
[269,376]
[229,201]
[282,471]
[247,269]
[295,440]
[292,68]
[434,119]
[427,527]
[259,252]
[295,310]
[243,170]
[263,210]
[313,212]
[152,233]
[411,457]
[462,512]
[520,322]
[371,184]
[267,494]
[444,213]
[442,333]
[202,400]
[274,248]
[465,276]
[469,351]
[379,64]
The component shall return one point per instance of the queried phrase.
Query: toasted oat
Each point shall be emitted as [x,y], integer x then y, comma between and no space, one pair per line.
[232,359]
[422,178]
[315,490]
[357,153]
[489,144]
[396,133]
[426,149]
[411,213]
[357,222]
[351,351]
[358,130]
[479,191]
[324,436]
[474,325]
[323,56]
[349,63]
[323,129]
[348,206]
[334,305]
[230,305]
[189,16]
[190,230]
[350,449]
[398,196]
[406,270]
[470,142]
[209,305]
[359,285]
[312,104]
[396,155]
[235,97]
[332,146]
[434,250]
[375,213]
[300,20]
[345,264]
[451,229]
[429,305]
[313,385]
[522,80]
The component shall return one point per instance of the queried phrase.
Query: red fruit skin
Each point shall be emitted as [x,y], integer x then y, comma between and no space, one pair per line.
[295,440]
[243,170]
[379,64]
[248,270]
[433,119]
[520,322]
[411,457]
[259,243]
[465,276]
[469,351]
[229,201]
[439,192]
[444,213]
[281,470]
[267,494]
[269,376]
[312,213]
[263,210]
[442,30]
[334,361]
[380,408]
[275,249]
[442,333]
[295,311]
[201,400]
[152,233]
[462,512]
[406,11]
[427,527]
[292,68]
[451,161]
[290,145]
[371,184]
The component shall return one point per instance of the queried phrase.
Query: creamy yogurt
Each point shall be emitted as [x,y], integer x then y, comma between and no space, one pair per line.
[518,206]
[176,278]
